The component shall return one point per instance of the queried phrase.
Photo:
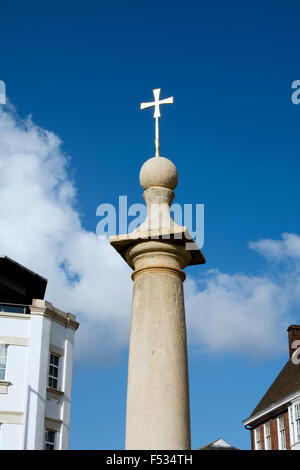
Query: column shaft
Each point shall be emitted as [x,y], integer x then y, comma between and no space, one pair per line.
[158,414]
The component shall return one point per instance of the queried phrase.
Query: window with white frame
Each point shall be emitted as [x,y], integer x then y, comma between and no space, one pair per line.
[297,421]
[50,438]
[268,442]
[54,367]
[294,414]
[3,360]
[292,425]
[281,433]
[257,438]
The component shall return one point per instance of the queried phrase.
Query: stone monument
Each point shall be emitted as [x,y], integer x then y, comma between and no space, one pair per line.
[158,409]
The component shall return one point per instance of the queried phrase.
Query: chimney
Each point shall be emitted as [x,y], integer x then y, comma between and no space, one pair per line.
[294,335]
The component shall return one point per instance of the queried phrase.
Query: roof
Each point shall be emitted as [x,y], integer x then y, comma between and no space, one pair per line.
[218,444]
[19,279]
[287,383]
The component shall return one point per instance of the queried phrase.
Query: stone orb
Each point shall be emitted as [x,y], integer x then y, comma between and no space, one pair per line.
[158,171]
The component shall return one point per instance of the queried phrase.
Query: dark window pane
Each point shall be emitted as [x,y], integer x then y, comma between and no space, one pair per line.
[52,382]
[53,371]
[54,359]
[49,439]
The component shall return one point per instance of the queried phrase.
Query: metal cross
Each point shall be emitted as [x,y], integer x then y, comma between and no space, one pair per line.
[156,114]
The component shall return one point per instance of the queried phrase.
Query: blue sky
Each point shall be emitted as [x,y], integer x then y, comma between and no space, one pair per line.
[80,69]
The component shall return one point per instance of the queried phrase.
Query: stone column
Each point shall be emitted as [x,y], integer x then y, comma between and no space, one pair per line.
[158,410]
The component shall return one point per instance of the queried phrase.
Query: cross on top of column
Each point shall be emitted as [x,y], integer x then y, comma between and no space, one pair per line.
[156,103]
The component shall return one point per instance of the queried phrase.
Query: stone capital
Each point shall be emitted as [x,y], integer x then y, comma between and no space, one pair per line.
[157,256]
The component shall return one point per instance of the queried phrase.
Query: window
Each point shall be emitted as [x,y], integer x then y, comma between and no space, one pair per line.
[268,442]
[281,433]
[294,412]
[292,424]
[257,439]
[3,361]
[13,308]
[54,370]
[297,421]
[50,437]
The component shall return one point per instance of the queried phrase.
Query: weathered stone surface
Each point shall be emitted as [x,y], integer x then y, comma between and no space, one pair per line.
[158,410]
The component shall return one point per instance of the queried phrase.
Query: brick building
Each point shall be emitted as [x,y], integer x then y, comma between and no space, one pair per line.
[275,422]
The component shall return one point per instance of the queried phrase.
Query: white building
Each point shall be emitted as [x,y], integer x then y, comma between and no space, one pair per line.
[36,362]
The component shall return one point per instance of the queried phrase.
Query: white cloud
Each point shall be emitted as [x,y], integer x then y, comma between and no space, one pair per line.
[278,250]
[40,227]
[246,313]
[238,313]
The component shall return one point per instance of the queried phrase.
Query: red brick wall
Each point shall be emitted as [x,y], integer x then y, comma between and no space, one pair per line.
[262,437]
[274,433]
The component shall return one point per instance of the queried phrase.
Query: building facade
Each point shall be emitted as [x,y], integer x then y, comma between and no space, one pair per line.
[36,362]
[275,422]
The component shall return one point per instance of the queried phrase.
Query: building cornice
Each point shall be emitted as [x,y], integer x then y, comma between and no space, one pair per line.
[45,308]
[18,316]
